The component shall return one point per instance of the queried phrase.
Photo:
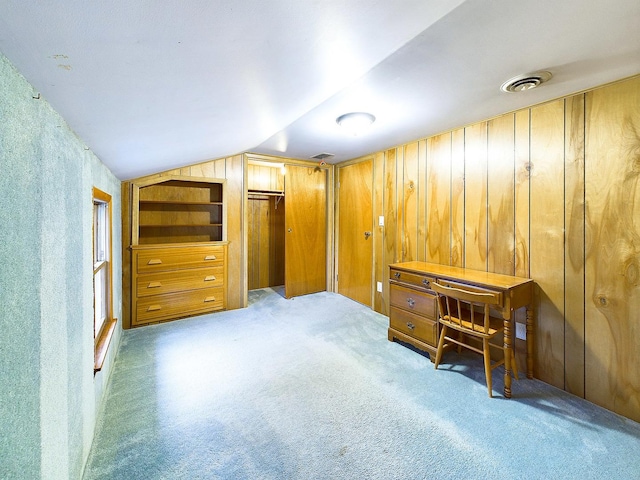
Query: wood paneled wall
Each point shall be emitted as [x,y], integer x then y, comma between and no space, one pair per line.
[549,192]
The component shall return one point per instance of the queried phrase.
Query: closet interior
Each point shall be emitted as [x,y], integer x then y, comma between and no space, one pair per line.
[266,225]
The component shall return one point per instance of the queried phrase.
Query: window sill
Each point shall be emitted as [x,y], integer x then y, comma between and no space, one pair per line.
[102,344]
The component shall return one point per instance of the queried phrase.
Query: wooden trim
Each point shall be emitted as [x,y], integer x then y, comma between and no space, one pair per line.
[147,181]
[126,192]
[104,197]
[102,344]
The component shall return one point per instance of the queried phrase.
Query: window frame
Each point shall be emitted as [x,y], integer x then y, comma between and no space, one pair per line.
[102,338]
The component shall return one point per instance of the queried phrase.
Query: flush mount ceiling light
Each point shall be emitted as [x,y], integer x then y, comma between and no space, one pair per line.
[355,122]
[525,82]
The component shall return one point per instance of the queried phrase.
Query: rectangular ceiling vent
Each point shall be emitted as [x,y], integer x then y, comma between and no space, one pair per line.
[322,156]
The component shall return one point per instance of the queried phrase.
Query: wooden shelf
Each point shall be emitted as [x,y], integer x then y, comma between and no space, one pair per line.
[169,202]
[179,209]
[190,225]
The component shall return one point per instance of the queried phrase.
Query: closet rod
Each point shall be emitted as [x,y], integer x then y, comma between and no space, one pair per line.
[266,193]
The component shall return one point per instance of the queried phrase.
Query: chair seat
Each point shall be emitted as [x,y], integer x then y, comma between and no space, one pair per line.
[496,325]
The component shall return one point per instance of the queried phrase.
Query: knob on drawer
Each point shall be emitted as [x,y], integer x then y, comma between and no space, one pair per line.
[411,302]
[410,325]
[425,282]
[396,275]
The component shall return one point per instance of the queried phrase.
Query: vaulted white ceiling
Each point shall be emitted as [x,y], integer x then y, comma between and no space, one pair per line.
[152,85]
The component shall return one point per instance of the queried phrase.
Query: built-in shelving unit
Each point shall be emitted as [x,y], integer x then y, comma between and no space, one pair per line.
[180,211]
[179,248]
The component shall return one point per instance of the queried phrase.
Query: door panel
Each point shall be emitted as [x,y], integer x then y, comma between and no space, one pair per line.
[355,247]
[305,230]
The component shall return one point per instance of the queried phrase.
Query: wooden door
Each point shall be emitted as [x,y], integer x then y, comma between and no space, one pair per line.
[305,230]
[355,232]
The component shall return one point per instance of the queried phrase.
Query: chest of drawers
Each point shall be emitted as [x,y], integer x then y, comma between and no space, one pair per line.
[413,312]
[177,280]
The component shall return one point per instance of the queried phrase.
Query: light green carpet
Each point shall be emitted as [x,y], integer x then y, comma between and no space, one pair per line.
[310,388]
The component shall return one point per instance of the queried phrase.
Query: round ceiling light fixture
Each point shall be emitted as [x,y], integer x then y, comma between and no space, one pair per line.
[355,122]
[525,82]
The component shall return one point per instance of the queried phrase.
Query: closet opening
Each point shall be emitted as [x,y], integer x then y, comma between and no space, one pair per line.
[266,227]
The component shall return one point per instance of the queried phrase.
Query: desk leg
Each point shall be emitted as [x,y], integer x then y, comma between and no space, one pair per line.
[508,355]
[529,342]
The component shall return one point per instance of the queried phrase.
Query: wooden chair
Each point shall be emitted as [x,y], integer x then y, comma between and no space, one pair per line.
[468,313]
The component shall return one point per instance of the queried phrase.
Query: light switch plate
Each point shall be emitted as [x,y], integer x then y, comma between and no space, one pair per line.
[379,287]
[381,221]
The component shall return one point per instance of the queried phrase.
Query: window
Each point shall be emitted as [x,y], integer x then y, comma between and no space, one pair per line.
[103,321]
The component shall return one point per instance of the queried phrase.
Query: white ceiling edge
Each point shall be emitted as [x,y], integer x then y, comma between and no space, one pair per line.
[151,87]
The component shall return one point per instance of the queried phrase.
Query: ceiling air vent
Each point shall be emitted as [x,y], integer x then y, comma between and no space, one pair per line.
[525,82]
[323,156]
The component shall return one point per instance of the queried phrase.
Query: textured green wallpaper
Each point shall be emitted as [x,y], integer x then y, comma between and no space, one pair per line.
[48,394]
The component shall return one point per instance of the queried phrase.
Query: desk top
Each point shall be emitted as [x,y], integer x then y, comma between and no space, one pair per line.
[465,275]
[517,291]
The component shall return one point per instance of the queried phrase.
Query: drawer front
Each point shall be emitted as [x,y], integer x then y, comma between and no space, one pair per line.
[472,288]
[179,280]
[175,305]
[414,325]
[421,303]
[166,259]
[422,281]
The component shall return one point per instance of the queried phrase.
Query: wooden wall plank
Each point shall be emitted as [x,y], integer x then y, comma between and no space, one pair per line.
[500,195]
[574,245]
[410,203]
[547,238]
[381,274]
[522,178]
[475,201]
[439,203]
[236,200]
[253,233]
[421,247]
[125,205]
[390,253]
[400,203]
[521,198]
[264,238]
[277,234]
[457,197]
[612,161]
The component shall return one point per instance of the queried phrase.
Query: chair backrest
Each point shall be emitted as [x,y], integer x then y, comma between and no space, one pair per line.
[467,309]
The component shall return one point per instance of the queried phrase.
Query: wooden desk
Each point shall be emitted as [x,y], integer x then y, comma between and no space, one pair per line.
[515,292]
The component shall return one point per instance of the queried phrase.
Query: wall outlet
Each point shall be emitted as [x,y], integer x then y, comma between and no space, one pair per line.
[521,331]
[381,221]
[379,286]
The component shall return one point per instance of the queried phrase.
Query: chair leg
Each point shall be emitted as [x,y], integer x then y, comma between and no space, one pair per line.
[440,346]
[487,364]
[514,365]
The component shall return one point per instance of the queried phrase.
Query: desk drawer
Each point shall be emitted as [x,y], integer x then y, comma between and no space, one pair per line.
[175,305]
[422,328]
[179,280]
[421,303]
[421,281]
[166,259]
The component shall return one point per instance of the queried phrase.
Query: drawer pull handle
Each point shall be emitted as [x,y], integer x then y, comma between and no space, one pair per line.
[396,275]
[210,257]
[153,308]
[209,278]
[410,325]
[425,282]
[154,261]
[210,299]
[411,302]
[154,285]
